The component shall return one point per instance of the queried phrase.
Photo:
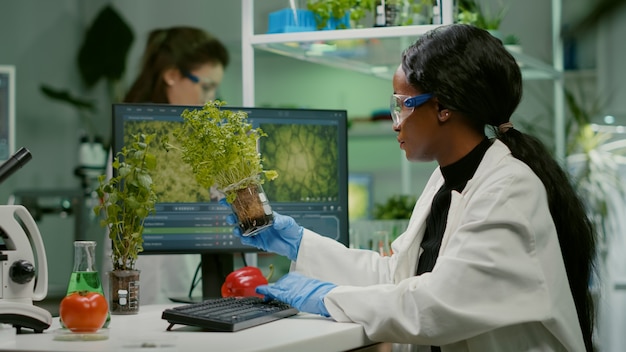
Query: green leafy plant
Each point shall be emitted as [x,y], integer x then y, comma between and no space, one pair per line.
[593,158]
[127,199]
[396,207]
[360,9]
[220,145]
[325,10]
[511,39]
[472,12]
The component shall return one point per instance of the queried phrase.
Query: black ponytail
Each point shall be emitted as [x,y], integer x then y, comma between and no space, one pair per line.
[575,231]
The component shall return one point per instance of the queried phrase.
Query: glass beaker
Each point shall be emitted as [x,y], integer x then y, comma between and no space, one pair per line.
[84,275]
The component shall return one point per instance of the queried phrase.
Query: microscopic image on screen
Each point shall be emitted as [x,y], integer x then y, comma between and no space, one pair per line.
[305,156]
[308,148]
[173,179]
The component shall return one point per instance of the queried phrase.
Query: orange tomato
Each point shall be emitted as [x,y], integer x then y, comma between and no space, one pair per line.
[84,311]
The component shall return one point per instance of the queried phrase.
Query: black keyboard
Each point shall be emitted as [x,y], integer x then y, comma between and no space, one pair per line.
[228,314]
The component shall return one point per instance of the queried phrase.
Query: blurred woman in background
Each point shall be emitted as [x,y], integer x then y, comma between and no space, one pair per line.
[180,66]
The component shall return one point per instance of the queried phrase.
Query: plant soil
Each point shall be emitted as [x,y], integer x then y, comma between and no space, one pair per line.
[124,292]
[252,209]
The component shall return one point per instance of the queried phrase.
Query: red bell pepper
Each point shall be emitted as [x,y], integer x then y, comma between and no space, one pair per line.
[243,282]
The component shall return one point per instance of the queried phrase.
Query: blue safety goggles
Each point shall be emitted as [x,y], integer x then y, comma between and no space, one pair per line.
[402,106]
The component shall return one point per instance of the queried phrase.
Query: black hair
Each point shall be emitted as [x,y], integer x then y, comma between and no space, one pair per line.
[471,72]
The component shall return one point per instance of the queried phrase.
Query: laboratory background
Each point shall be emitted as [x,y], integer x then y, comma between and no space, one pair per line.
[41,39]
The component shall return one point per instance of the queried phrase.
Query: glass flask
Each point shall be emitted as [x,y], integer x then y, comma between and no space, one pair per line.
[84,275]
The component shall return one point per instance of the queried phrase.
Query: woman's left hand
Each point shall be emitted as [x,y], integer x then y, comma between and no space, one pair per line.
[299,291]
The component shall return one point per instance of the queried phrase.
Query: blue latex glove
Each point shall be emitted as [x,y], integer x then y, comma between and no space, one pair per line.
[283,237]
[301,292]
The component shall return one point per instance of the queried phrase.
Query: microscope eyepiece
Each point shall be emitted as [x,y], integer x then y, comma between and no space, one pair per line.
[16,161]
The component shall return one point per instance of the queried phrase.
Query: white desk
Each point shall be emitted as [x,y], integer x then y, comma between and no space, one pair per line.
[303,332]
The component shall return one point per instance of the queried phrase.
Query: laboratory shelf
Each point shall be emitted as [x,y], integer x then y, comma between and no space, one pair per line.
[373,51]
[376,51]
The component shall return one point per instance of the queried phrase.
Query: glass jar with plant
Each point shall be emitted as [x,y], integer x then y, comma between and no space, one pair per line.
[220,145]
[127,199]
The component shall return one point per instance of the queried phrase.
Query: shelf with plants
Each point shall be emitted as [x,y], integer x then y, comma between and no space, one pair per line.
[365,50]
[375,51]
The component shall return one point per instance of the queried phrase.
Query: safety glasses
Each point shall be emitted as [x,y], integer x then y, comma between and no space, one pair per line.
[207,86]
[402,106]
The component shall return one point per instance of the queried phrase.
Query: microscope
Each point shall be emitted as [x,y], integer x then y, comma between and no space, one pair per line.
[24,272]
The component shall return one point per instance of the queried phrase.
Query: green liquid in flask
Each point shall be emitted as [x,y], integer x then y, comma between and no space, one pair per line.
[85,281]
[84,277]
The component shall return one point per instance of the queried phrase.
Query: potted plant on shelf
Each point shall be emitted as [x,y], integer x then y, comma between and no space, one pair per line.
[472,12]
[337,14]
[220,145]
[512,43]
[399,206]
[127,199]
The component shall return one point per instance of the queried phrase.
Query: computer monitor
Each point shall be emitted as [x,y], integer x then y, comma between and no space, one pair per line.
[7,111]
[307,147]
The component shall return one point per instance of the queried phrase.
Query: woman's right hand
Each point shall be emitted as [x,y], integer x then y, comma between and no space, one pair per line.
[283,237]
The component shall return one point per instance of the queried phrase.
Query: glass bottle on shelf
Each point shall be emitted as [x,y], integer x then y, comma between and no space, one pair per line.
[379,18]
[84,275]
[390,13]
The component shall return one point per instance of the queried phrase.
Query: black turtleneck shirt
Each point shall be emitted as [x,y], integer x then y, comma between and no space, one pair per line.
[455,178]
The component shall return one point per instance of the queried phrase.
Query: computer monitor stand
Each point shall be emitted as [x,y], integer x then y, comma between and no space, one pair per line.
[215,268]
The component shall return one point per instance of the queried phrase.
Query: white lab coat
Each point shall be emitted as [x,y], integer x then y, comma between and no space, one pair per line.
[499,283]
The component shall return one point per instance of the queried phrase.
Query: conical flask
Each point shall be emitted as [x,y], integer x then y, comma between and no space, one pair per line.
[84,275]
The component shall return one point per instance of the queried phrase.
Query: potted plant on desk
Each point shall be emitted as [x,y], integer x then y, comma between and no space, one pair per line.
[221,147]
[127,199]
